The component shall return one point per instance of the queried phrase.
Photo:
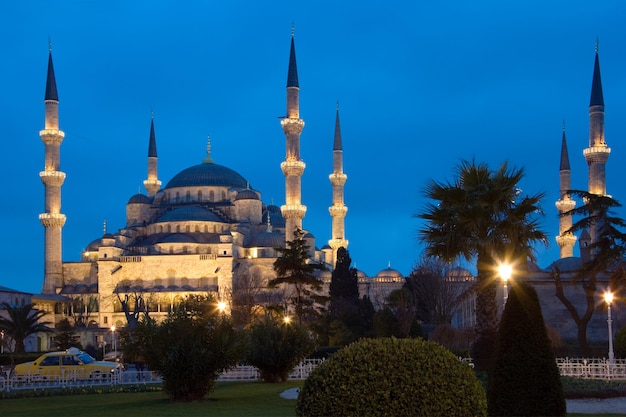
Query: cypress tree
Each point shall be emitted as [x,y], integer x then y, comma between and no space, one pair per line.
[524,380]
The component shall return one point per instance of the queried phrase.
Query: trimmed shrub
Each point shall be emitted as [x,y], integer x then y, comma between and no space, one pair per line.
[525,379]
[392,377]
[276,348]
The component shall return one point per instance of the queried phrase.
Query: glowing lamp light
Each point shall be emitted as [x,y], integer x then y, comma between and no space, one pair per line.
[287,319]
[608,297]
[505,271]
[221,306]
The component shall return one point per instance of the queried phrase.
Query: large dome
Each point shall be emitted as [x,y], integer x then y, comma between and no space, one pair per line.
[207,174]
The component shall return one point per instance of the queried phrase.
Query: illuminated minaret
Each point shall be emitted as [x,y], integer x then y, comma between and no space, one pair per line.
[52,220]
[152,183]
[566,240]
[293,211]
[338,210]
[598,152]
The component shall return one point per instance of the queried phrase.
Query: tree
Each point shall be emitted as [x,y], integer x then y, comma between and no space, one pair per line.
[248,290]
[22,321]
[190,348]
[525,378]
[133,304]
[81,307]
[606,257]
[344,288]
[293,267]
[65,335]
[277,347]
[436,291]
[480,216]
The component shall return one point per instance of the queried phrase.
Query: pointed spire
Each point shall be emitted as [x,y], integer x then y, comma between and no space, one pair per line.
[152,149]
[564,154]
[269,224]
[337,143]
[104,227]
[597,98]
[208,159]
[51,84]
[292,74]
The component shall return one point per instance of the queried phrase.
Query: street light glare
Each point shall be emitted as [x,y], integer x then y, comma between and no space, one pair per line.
[608,297]
[505,271]
[221,306]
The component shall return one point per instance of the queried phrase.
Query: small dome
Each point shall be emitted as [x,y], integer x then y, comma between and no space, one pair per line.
[189,213]
[108,236]
[140,199]
[460,274]
[565,264]
[360,274]
[389,272]
[247,194]
[207,174]
[93,246]
[268,240]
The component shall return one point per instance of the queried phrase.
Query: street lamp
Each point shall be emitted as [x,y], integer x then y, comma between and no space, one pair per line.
[505,271]
[2,342]
[608,298]
[287,319]
[113,339]
[221,306]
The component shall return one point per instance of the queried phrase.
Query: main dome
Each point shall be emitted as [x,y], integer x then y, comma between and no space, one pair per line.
[207,174]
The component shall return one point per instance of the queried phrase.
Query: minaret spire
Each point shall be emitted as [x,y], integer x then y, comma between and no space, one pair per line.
[566,239]
[338,179]
[152,183]
[598,152]
[52,178]
[293,211]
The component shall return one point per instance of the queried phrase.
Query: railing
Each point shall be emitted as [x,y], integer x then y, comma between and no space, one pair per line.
[592,368]
[10,382]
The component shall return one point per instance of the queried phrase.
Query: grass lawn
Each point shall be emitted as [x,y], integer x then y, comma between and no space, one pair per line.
[228,399]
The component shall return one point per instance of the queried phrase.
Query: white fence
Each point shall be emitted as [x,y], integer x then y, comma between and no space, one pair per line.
[9,382]
[592,368]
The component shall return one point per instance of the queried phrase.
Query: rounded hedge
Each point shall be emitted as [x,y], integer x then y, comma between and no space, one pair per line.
[392,377]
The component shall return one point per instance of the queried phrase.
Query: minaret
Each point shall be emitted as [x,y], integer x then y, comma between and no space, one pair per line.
[52,220]
[293,211]
[338,210]
[566,240]
[598,152]
[152,183]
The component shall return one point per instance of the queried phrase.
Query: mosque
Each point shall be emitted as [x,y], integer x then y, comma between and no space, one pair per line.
[205,230]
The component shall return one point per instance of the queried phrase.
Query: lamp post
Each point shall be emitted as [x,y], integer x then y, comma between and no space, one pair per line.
[113,338]
[2,342]
[608,298]
[505,271]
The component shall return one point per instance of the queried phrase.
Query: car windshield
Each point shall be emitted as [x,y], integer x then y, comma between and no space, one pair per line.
[85,358]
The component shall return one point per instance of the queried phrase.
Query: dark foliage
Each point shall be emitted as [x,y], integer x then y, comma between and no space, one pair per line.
[65,335]
[276,348]
[525,379]
[22,321]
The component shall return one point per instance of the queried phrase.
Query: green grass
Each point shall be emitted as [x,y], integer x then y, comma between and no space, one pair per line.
[228,399]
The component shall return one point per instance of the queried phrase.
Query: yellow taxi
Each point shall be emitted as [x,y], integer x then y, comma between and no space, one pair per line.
[71,363]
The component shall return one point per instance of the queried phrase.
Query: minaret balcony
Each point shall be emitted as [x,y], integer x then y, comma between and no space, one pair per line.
[338,178]
[52,219]
[52,178]
[566,240]
[338,211]
[51,136]
[338,243]
[292,125]
[565,205]
[152,184]
[597,153]
[292,167]
[293,211]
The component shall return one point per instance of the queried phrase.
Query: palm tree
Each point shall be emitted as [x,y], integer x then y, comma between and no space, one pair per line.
[22,321]
[481,216]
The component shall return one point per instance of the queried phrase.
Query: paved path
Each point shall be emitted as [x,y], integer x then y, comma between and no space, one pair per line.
[585,406]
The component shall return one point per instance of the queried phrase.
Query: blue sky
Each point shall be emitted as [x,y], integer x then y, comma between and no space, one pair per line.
[420,85]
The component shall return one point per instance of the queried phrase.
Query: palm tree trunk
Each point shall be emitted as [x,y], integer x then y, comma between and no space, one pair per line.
[486,314]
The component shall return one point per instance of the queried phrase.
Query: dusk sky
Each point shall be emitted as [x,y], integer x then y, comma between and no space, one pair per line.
[421,85]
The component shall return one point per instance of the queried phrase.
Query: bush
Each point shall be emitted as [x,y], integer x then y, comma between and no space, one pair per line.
[276,348]
[525,379]
[392,377]
[190,348]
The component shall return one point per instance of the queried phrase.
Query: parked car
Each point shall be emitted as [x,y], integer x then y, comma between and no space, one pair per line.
[72,363]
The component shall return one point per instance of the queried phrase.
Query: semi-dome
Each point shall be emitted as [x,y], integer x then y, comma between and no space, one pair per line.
[207,174]
[189,213]
[140,199]
[268,240]
[247,194]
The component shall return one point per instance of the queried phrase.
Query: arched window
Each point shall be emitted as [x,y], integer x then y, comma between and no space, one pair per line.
[188,196]
[223,195]
[211,196]
[199,195]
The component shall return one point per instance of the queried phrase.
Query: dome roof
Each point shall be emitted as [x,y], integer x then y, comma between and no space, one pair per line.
[177,238]
[247,194]
[207,174]
[268,240]
[140,199]
[565,264]
[389,272]
[94,245]
[189,213]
